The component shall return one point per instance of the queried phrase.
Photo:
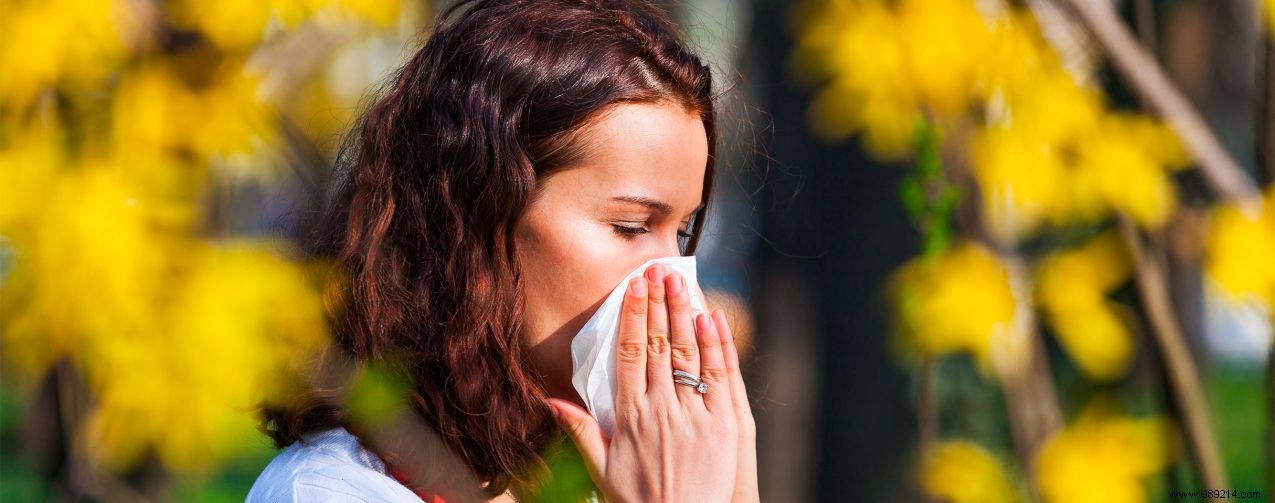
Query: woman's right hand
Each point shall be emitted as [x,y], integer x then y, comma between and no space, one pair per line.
[670,442]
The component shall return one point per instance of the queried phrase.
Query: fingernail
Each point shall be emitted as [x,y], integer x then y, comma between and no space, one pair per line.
[675,286]
[703,323]
[655,272]
[638,287]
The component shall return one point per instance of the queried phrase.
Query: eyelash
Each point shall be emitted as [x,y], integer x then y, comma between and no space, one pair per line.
[629,232]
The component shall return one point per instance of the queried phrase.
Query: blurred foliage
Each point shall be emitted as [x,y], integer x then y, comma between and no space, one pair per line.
[149,325]
[936,314]
[964,472]
[1103,456]
[567,480]
[377,394]
[975,98]
[1239,251]
[1045,148]
[1072,288]
[141,325]
[931,213]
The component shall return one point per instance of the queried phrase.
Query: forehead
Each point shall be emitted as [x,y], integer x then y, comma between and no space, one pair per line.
[652,150]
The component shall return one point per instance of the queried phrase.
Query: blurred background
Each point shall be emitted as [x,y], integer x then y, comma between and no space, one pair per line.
[986,250]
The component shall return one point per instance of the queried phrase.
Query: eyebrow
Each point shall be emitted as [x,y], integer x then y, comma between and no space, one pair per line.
[660,207]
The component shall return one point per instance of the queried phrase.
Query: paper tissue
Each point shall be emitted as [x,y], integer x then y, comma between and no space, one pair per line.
[593,349]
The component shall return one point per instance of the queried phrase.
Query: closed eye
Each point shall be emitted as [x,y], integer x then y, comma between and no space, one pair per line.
[628,232]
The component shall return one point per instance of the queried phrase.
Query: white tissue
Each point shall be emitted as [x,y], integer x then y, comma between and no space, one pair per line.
[593,349]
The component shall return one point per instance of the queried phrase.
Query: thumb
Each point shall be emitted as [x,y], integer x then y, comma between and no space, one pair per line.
[584,432]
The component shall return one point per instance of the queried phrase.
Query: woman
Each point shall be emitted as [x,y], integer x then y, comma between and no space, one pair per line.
[529,156]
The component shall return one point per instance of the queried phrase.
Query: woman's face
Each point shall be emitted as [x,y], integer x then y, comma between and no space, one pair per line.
[639,182]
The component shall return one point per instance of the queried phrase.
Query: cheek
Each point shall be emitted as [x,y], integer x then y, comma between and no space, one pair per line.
[583,264]
[568,268]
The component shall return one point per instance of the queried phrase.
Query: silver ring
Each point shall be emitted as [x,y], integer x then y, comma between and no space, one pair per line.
[688,379]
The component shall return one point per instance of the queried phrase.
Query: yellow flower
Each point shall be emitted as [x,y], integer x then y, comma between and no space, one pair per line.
[861,48]
[241,322]
[92,266]
[887,62]
[1103,457]
[238,25]
[1126,159]
[177,339]
[236,128]
[945,43]
[1022,178]
[30,161]
[1239,249]
[1268,7]
[381,13]
[151,110]
[105,266]
[225,122]
[1046,150]
[1016,56]
[1053,155]
[888,120]
[961,301]
[1071,288]
[47,42]
[963,472]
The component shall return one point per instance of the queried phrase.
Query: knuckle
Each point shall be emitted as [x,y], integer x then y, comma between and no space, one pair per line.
[631,352]
[657,343]
[635,307]
[685,352]
[708,341]
[732,367]
[628,417]
[713,374]
[575,429]
[724,429]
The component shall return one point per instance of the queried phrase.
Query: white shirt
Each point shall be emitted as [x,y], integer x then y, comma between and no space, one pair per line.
[327,465]
[332,465]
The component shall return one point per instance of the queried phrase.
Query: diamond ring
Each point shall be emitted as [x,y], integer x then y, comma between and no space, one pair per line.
[688,379]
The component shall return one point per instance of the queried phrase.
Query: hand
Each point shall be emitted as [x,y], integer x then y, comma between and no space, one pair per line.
[670,443]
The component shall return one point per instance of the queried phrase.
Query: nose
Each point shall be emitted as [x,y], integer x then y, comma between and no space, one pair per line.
[660,250]
[653,249]
[667,248]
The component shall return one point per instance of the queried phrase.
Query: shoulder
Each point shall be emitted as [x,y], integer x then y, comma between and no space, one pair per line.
[328,465]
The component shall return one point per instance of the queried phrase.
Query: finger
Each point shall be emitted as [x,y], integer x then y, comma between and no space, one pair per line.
[746,463]
[659,372]
[738,393]
[684,350]
[583,431]
[713,367]
[630,346]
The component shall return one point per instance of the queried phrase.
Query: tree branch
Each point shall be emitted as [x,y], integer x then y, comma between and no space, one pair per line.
[1183,376]
[1146,78]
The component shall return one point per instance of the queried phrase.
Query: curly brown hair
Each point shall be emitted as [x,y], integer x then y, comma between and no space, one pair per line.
[428,189]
